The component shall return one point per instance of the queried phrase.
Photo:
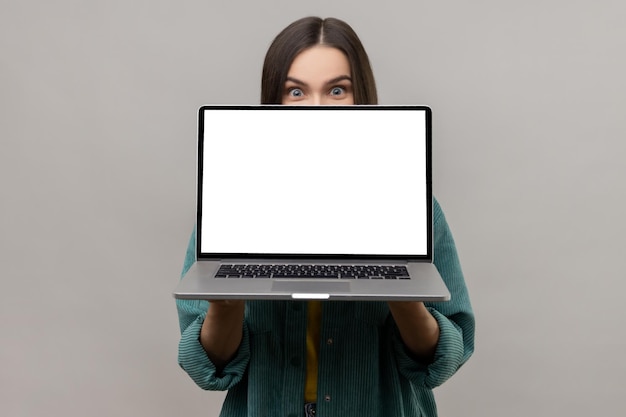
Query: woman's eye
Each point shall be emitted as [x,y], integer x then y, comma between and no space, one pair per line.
[337,91]
[295,92]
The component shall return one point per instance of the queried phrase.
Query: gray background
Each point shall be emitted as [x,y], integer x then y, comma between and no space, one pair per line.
[98,108]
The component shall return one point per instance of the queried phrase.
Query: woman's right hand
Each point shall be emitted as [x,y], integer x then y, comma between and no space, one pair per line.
[222,330]
[227,303]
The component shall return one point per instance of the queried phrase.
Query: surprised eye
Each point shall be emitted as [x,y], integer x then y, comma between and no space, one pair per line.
[337,91]
[295,92]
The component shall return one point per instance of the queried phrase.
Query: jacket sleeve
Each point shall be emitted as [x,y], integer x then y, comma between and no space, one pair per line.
[455,317]
[191,355]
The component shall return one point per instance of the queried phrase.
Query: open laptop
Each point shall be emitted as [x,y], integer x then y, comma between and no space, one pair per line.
[314,202]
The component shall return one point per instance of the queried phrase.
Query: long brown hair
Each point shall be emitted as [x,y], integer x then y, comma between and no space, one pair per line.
[308,32]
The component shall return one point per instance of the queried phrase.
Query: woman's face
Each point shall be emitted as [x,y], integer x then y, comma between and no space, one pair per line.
[319,75]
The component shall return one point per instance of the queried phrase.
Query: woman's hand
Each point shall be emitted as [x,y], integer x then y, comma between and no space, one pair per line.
[418,328]
[227,303]
[222,330]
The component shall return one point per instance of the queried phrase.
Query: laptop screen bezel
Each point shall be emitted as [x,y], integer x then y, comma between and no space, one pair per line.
[313,257]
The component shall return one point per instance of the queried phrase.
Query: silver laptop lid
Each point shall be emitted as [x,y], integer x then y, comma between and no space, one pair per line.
[315,182]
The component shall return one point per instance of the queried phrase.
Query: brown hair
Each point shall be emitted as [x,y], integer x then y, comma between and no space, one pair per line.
[308,32]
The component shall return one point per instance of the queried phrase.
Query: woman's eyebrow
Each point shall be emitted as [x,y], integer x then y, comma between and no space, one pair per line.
[296,81]
[340,78]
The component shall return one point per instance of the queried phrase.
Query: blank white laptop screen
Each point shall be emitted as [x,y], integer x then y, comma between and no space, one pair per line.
[319,182]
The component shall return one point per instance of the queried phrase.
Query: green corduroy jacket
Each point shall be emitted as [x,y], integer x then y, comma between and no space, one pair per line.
[364,368]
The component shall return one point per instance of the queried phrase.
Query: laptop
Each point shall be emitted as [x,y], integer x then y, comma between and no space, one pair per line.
[314,202]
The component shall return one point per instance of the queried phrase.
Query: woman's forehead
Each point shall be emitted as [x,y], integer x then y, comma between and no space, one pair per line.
[319,63]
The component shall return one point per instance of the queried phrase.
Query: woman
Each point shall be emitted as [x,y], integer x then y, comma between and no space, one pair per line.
[292,358]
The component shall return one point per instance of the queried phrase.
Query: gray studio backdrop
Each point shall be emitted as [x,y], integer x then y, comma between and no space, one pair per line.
[98,104]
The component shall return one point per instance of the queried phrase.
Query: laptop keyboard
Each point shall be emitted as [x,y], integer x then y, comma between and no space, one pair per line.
[313,271]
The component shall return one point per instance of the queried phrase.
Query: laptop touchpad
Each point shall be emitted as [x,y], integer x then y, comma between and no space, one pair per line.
[311,287]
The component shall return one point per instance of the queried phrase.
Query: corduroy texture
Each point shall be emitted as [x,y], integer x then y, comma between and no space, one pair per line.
[364,368]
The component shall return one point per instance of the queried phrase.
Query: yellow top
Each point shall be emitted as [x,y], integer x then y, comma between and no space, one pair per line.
[312,349]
